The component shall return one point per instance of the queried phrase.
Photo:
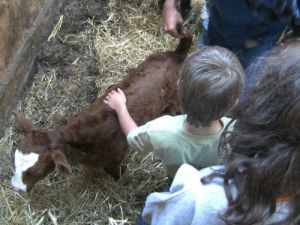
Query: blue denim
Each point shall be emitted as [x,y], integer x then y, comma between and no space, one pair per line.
[232,24]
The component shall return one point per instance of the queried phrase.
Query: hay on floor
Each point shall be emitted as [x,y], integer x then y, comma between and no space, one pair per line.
[92,46]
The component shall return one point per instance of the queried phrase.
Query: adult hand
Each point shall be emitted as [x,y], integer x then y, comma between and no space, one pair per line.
[173,21]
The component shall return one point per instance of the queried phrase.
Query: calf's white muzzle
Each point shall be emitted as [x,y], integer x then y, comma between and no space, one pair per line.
[22,163]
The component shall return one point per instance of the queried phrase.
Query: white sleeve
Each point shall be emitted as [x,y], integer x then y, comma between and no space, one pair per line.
[139,138]
[166,208]
[188,202]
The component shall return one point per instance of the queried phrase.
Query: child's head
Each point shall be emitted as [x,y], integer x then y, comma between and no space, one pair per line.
[211,81]
[264,147]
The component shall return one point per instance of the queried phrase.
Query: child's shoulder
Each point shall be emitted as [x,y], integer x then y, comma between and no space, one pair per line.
[167,121]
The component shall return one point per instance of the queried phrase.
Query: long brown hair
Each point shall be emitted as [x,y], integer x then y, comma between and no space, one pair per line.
[264,147]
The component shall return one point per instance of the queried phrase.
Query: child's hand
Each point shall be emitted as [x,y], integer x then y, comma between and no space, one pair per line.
[116,99]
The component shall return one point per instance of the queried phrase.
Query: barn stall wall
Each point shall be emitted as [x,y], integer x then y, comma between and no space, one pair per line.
[23,26]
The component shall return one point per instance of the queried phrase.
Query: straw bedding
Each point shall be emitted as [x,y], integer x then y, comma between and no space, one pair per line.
[93,45]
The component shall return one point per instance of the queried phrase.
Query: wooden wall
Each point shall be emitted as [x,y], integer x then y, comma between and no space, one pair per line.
[24,24]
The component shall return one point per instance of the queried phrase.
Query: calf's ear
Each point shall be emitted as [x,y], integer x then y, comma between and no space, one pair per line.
[61,162]
[25,124]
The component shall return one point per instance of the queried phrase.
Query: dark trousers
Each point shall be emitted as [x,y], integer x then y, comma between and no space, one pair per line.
[252,59]
[185,6]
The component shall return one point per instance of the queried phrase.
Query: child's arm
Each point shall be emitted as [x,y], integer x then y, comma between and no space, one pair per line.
[116,100]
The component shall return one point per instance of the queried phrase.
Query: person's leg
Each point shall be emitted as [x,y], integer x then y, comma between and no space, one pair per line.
[202,41]
[204,16]
[185,7]
[253,73]
[253,60]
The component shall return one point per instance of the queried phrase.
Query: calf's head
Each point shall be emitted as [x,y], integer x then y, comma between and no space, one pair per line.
[38,154]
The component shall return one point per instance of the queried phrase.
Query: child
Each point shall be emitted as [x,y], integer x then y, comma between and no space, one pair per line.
[261,182]
[210,84]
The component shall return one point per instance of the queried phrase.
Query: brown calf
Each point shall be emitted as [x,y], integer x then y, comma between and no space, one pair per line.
[93,137]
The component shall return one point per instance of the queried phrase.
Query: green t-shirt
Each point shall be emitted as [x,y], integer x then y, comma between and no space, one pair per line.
[166,138]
